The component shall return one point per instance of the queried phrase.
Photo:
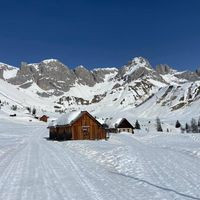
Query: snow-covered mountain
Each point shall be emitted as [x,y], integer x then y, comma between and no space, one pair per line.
[135,88]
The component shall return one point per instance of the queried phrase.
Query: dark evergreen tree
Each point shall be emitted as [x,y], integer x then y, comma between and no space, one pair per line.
[137,125]
[194,126]
[158,125]
[199,122]
[34,111]
[187,128]
[178,125]
[29,109]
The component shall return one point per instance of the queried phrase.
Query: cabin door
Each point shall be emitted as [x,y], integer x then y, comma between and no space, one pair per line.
[86,132]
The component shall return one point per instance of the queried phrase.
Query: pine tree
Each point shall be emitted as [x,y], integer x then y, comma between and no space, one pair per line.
[137,125]
[34,111]
[187,127]
[194,126]
[158,125]
[199,122]
[178,125]
[29,109]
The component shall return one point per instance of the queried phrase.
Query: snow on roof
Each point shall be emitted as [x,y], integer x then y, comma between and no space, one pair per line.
[65,119]
[114,122]
[100,120]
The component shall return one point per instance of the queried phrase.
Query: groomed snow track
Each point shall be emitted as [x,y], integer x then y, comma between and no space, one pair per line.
[125,167]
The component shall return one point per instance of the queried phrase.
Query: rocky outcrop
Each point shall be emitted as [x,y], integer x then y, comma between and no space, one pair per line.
[190,76]
[163,69]
[198,71]
[100,73]
[84,76]
[1,73]
[49,74]
[138,68]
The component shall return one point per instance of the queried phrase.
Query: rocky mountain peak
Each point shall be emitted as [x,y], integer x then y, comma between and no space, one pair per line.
[84,76]
[136,68]
[164,69]
[140,62]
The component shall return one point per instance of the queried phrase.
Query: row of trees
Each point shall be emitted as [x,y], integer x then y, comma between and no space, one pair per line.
[192,127]
[158,125]
[33,111]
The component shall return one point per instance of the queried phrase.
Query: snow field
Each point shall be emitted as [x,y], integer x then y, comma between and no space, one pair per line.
[140,166]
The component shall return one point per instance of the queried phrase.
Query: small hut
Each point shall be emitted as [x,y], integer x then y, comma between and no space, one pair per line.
[120,125]
[77,125]
[44,118]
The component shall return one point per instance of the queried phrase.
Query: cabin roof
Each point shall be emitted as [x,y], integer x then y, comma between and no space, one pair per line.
[69,119]
[65,119]
[44,116]
[116,123]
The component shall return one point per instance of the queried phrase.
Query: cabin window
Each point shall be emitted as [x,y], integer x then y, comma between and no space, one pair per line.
[127,130]
[85,129]
[124,130]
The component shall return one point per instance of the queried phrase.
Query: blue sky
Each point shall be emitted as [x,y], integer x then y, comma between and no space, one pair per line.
[101,33]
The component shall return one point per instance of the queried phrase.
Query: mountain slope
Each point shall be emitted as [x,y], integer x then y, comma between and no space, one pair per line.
[135,87]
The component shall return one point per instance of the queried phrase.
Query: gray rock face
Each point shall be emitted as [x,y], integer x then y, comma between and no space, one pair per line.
[84,76]
[90,78]
[190,76]
[99,74]
[135,64]
[138,68]
[52,74]
[163,69]
[1,73]
[55,78]
[26,73]
[198,71]
[49,74]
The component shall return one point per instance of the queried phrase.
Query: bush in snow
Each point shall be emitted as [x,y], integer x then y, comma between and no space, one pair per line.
[137,125]
[14,107]
[158,125]
[178,125]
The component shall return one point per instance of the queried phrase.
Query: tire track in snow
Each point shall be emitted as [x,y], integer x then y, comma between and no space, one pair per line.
[168,173]
[66,163]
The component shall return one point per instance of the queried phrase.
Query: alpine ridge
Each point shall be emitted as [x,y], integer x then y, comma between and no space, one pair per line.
[52,86]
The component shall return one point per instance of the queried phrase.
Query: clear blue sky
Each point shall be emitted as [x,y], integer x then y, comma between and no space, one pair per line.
[101,32]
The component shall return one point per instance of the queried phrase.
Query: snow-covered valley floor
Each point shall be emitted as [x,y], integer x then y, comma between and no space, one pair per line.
[140,166]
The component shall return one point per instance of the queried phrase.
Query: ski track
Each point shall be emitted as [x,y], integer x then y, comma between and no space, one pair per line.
[125,167]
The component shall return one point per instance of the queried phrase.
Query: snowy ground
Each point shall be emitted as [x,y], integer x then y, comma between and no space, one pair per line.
[140,166]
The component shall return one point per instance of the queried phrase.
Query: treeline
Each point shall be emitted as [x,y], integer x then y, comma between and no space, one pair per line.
[192,127]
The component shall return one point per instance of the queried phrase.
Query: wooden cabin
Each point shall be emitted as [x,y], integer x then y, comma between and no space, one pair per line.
[44,118]
[76,126]
[120,125]
[124,125]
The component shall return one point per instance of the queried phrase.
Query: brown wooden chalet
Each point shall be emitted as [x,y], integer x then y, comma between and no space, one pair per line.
[76,126]
[44,118]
